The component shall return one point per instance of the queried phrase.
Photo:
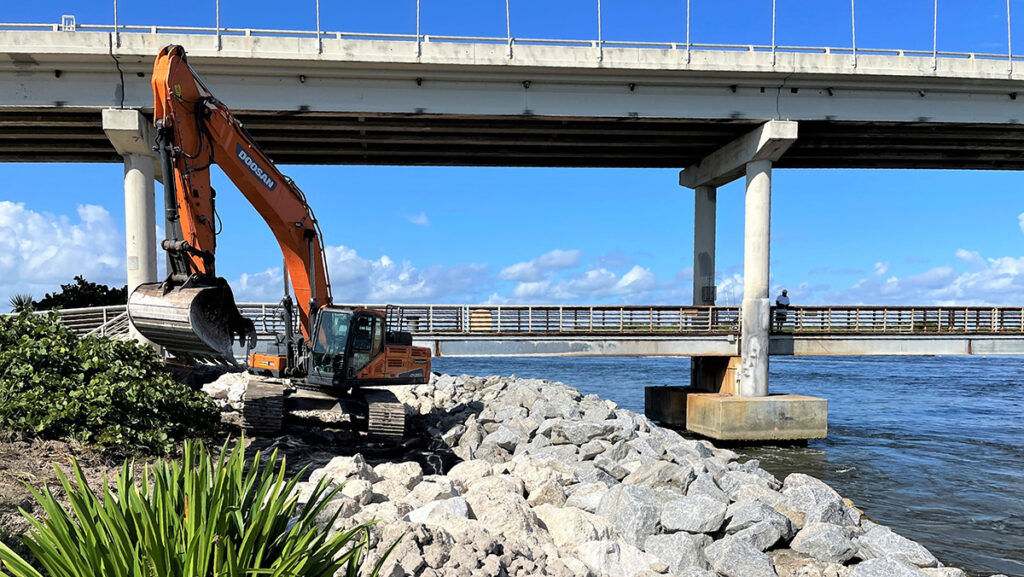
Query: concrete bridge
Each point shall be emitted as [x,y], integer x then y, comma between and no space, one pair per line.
[721,113]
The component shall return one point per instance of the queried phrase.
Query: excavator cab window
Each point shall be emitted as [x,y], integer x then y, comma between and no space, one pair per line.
[367,341]
[331,339]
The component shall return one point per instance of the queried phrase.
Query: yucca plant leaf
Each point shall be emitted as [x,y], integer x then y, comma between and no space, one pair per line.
[222,516]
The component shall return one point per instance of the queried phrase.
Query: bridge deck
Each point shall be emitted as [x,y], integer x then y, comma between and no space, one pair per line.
[491,330]
[470,102]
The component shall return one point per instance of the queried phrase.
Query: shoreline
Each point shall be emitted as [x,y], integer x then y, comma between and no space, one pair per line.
[552,482]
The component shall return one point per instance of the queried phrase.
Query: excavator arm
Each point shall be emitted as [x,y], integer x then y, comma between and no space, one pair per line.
[196,131]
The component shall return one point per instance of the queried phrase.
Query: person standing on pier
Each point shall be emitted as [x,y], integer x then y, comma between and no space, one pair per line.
[781,307]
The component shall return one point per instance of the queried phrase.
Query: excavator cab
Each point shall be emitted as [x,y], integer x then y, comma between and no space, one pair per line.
[346,342]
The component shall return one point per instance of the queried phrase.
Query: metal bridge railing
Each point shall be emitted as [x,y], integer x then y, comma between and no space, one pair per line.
[899,320]
[554,320]
[416,40]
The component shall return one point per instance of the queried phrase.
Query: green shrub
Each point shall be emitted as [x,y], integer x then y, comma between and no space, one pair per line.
[203,517]
[111,394]
[83,293]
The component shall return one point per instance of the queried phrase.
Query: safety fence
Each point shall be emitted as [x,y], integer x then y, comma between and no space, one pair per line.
[899,320]
[525,320]
[419,38]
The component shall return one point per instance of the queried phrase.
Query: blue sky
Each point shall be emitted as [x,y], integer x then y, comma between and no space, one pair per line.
[518,235]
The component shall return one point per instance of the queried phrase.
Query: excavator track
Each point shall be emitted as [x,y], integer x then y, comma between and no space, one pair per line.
[263,410]
[386,420]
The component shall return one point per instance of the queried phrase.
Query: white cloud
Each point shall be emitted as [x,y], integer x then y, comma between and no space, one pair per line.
[420,219]
[534,270]
[596,285]
[39,251]
[1020,221]
[881,268]
[355,279]
[993,281]
[971,257]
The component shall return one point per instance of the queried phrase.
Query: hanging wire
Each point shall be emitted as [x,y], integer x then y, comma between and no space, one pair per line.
[319,41]
[117,31]
[419,49]
[600,41]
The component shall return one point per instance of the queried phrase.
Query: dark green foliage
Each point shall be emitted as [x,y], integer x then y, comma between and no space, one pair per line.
[112,394]
[204,516]
[22,303]
[83,293]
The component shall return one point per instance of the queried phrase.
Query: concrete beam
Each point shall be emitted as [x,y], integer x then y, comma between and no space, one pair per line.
[768,142]
[131,134]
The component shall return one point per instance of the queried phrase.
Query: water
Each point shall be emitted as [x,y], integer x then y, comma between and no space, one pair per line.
[930,446]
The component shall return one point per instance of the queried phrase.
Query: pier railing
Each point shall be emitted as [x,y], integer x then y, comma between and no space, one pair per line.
[898,320]
[675,320]
[525,320]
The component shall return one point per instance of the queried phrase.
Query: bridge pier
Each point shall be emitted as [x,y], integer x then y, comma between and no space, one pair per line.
[728,397]
[132,137]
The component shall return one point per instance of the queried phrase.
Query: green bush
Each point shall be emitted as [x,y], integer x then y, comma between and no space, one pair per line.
[110,394]
[82,293]
[203,517]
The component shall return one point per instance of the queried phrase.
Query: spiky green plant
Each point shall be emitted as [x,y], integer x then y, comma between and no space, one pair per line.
[205,516]
[22,303]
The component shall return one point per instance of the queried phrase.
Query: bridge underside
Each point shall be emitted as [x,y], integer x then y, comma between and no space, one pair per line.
[76,135]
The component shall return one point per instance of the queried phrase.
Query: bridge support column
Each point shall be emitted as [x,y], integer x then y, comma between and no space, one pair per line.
[140,220]
[133,138]
[728,398]
[704,224]
[756,311]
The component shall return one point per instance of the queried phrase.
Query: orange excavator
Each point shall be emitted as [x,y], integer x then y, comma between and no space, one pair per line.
[193,314]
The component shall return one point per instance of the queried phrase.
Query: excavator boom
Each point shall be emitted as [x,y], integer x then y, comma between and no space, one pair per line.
[192,313]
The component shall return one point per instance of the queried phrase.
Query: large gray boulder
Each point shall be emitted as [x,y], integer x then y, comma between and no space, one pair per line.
[824,542]
[587,496]
[790,563]
[680,551]
[610,466]
[614,558]
[439,512]
[633,510]
[340,469]
[734,557]
[570,526]
[662,474]
[696,514]
[885,567]
[501,508]
[506,437]
[591,449]
[763,534]
[704,484]
[745,514]
[880,541]
[556,407]
[819,503]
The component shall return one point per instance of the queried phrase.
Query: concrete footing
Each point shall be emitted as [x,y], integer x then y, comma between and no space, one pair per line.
[771,418]
[667,405]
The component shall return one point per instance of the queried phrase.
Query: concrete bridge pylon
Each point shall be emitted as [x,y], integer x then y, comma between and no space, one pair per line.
[133,138]
[728,397]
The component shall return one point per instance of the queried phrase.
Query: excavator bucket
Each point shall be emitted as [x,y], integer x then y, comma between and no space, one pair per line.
[192,322]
